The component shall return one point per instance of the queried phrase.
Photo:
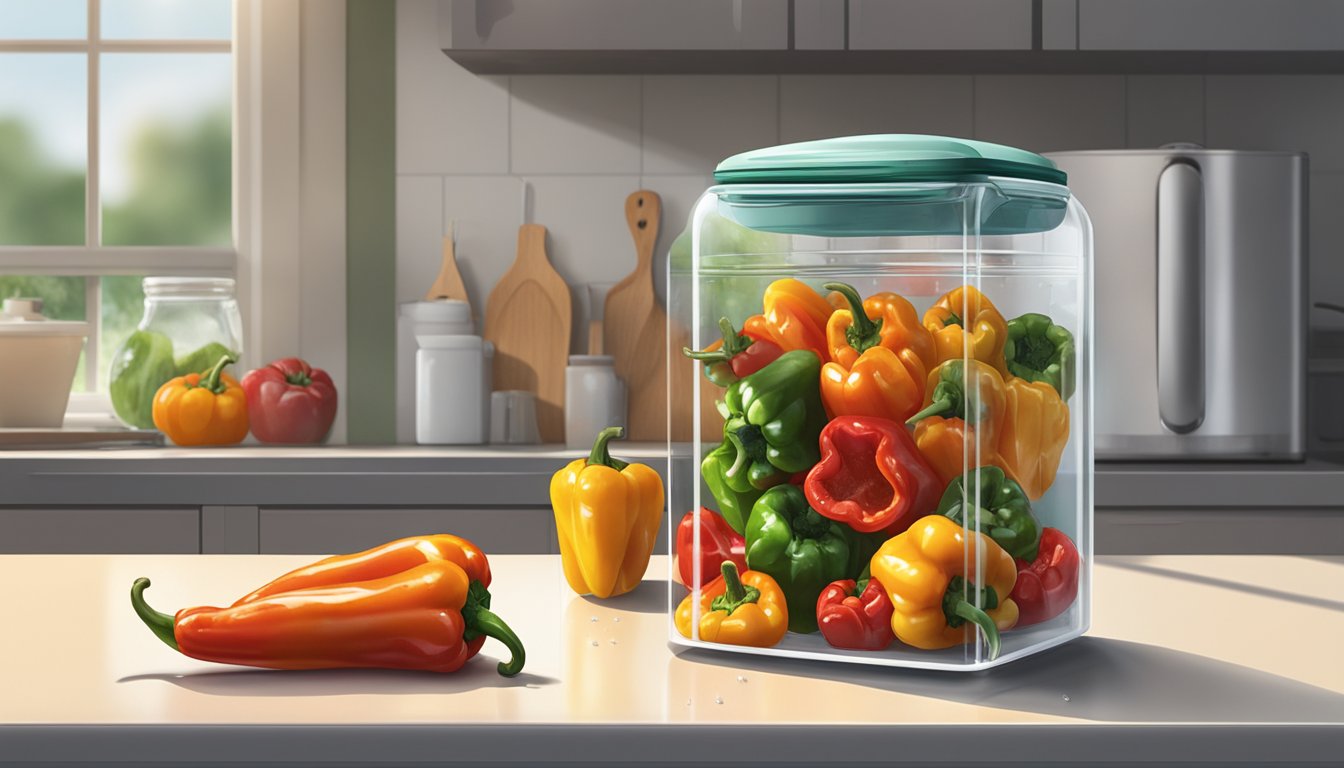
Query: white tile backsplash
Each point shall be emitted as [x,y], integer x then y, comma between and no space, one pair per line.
[691,122]
[1162,109]
[419,235]
[448,120]
[1286,112]
[1050,113]
[575,124]
[820,106]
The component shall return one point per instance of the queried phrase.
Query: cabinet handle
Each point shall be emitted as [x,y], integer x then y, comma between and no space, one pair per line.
[1180,297]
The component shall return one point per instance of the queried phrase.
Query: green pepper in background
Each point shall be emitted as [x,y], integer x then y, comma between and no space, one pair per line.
[776,415]
[1039,350]
[202,359]
[799,548]
[734,492]
[862,547]
[144,363]
[1004,510]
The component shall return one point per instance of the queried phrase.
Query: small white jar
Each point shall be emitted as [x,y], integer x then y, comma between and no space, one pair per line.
[452,385]
[594,399]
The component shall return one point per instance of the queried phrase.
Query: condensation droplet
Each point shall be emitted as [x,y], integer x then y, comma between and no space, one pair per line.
[718,699]
[741,678]
[1066,697]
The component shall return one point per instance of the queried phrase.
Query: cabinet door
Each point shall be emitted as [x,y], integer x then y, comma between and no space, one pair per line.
[310,531]
[1211,25]
[944,25]
[613,25]
[1177,531]
[99,531]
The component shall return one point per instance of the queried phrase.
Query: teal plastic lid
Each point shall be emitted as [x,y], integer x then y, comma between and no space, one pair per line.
[885,158]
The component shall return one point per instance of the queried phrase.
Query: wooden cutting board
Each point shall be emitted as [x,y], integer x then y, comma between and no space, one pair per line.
[634,329]
[448,285]
[527,318]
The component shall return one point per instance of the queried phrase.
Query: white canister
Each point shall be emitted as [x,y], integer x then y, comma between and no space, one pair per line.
[445,318]
[451,387]
[594,399]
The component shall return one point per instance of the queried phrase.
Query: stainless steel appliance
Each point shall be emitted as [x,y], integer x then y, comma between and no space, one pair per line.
[1200,280]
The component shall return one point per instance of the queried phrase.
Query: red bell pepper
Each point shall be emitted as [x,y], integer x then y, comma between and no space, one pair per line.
[856,615]
[736,355]
[871,476]
[290,402]
[718,542]
[1048,585]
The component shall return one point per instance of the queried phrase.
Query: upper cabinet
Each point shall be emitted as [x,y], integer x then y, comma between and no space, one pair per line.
[1210,25]
[724,36]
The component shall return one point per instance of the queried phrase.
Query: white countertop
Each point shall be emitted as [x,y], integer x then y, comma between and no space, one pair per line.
[1181,647]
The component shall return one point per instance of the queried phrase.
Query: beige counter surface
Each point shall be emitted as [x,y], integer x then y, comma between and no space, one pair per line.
[1214,658]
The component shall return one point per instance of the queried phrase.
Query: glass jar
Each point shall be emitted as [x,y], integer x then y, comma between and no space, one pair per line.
[941,445]
[188,325]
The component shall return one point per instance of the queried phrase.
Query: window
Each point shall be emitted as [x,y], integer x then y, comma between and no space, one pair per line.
[116,157]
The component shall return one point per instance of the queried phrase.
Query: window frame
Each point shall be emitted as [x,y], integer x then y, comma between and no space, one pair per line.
[94,260]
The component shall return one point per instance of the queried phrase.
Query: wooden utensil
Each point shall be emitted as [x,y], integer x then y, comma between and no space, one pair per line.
[448,285]
[634,327]
[527,318]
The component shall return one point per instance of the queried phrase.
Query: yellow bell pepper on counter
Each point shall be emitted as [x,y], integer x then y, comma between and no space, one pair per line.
[607,514]
[931,574]
[1033,434]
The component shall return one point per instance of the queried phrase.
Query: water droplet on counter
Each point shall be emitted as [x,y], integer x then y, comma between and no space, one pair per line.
[593,619]
[688,702]
[616,618]
[594,643]
[1066,697]
[741,678]
[718,699]
[613,641]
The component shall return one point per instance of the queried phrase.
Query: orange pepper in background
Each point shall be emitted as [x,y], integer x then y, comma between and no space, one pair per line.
[965,323]
[879,355]
[745,610]
[796,316]
[207,408]
[962,419]
[1035,430]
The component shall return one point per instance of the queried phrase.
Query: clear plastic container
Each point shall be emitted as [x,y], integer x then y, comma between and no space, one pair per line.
[188,324]
[916,504]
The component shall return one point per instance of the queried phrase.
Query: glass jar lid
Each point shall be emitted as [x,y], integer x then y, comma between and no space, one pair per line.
[189,287]
[885,158]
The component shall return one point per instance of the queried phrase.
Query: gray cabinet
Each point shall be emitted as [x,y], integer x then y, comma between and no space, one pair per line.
[613,25]
[302,530]
[110,530]
[941,25]
[1209,25]
[1195,531]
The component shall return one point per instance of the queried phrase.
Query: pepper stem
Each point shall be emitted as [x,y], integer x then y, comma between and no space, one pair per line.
[957,610]
[298,379]
[210,380]
[863,333]
[601,455]
[480,620]
[161,624]
[735,594]
[734,344]
[982,620]
[952,319]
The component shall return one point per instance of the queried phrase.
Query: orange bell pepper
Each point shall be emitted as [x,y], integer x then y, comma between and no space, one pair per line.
[207,408]
[1035,430]
[412,604]
[796,316]
[745,610]
[879,355]
[960,425]
[964,323]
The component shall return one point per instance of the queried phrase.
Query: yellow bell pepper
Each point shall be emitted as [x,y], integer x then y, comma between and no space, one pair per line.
[796,316]
[965,323]
[880,356]
[1032,437]
[925,573]
[745,610]
[207,408]
[607,514]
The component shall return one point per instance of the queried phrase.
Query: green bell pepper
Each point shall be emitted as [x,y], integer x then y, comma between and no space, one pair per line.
[144,363]
[1039,350]
[202,359]
[799,548]
[1004,511]
[775,416]
[731,488]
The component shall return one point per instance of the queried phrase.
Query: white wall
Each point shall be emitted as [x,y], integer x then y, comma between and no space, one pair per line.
[466,143]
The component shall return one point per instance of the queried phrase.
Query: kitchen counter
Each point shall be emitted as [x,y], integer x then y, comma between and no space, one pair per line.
[514,475]
[1220,660]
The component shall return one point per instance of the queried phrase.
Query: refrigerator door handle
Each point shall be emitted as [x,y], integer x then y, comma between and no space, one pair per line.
[1180,297]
